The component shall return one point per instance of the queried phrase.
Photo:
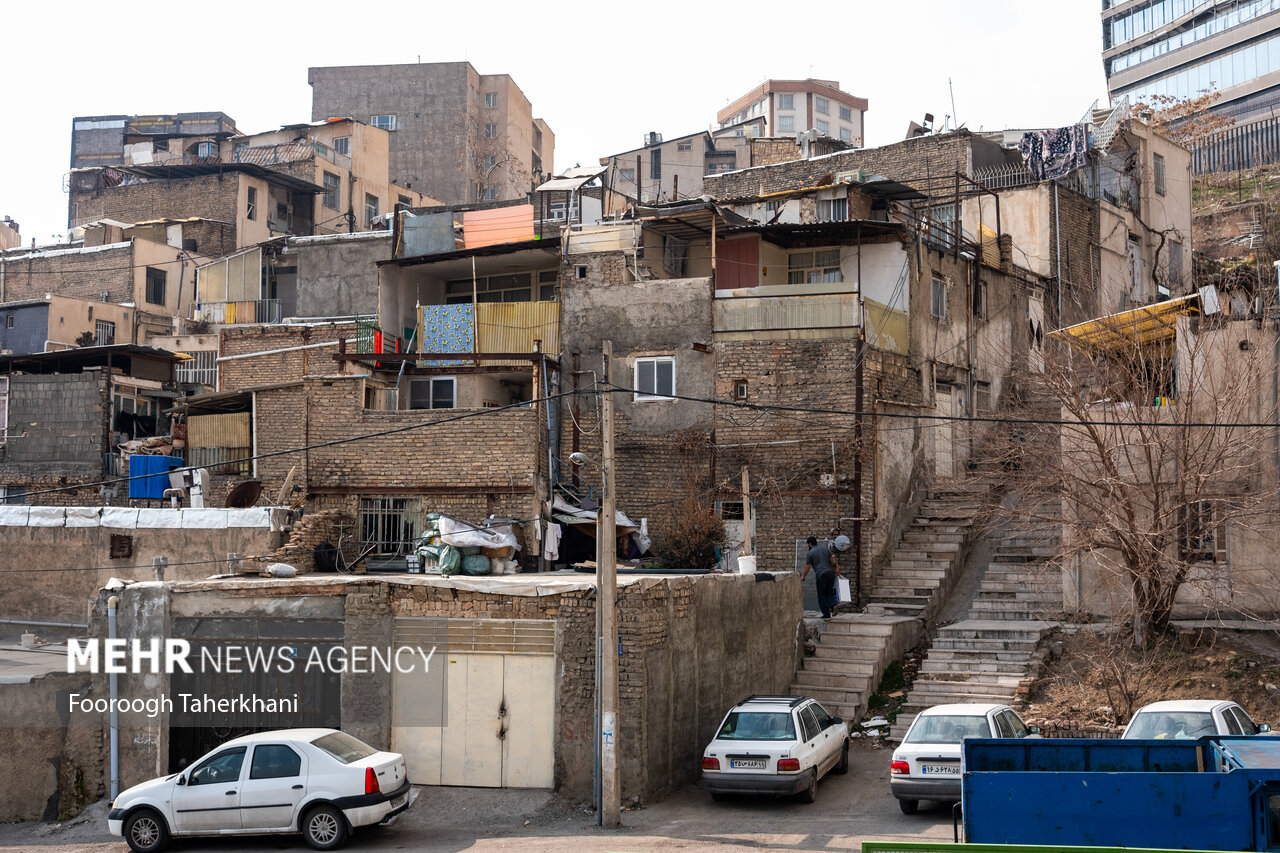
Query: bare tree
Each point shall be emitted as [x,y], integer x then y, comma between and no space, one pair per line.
[1146,438]
[495,172]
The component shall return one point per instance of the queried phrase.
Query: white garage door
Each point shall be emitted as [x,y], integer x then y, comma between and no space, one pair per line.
[499,705]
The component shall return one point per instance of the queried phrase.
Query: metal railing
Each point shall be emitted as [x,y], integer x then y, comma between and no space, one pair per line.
[202,369]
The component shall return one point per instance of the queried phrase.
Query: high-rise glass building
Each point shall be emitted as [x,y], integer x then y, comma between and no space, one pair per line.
[1181,48]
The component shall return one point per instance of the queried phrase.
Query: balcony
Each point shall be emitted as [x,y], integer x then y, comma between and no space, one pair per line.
[489,327]
[232,313]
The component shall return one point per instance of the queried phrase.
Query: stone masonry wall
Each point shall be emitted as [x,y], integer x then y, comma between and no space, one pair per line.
[208,197]
[84,275]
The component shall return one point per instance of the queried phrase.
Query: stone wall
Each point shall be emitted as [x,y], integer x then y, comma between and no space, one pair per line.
[84,274]
[210,197]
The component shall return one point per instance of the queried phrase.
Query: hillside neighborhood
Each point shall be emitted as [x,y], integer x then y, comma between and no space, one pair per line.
[399,378]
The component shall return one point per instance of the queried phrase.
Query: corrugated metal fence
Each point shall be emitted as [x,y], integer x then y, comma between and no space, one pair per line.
[1245,147]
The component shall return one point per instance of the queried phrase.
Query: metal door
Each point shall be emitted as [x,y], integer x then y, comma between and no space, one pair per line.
[944,434]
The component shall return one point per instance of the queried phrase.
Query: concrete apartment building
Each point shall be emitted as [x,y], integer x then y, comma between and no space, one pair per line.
[119,139]
[1182,47]
[456,135]
[672,169]
[792,107]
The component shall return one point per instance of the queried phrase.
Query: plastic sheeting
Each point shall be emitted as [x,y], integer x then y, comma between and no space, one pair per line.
[460,534]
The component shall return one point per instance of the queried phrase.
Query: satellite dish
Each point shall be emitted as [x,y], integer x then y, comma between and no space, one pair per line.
[244,495]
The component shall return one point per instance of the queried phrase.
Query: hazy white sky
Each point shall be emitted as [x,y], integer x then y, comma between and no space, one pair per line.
[600,74]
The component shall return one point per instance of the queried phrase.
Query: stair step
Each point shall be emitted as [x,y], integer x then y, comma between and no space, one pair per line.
[839,666]
[948,668]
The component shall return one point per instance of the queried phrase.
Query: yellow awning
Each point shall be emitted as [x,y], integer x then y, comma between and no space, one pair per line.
[1143,325]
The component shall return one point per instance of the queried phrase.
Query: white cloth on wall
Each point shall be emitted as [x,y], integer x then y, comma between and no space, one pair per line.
[551,543]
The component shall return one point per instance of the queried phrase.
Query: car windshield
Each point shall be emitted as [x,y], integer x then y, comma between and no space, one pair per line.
[947,728]
[758,725]
[344,747]
[1176,725]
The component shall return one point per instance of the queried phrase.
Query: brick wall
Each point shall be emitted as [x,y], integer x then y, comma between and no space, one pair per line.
[279,367]
[208,197]
[1078,223]
[766,152]
[83,274]
[914,161]
[57,429]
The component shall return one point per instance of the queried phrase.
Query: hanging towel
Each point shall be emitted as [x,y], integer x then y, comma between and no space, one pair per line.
[551,544]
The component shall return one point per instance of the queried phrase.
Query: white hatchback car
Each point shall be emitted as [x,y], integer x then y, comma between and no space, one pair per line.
[775,745]
[1191,718]
[320,782]
[926,765]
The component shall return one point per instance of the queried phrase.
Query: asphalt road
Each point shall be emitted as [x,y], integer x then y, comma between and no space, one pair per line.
[849,809]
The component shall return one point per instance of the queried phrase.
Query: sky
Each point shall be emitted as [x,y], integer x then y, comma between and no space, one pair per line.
[600,76]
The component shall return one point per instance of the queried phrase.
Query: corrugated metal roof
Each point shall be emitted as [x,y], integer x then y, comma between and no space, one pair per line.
[1140,325]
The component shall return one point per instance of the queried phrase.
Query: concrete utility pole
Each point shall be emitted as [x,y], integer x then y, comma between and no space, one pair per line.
[607,600]
[746,512]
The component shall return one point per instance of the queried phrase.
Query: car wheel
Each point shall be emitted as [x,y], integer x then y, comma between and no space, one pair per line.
[810,793]
[324,828]
[145,831]
[908,806]
[842,766]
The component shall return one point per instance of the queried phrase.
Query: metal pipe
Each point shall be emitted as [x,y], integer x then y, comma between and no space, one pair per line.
[42,624]
[112,604]
[282,349]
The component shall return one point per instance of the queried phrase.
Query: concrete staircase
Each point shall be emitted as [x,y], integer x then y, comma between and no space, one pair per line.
[854,649]
[996,651]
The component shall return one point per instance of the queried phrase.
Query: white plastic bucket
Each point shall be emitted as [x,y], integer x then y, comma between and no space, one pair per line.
[746,565]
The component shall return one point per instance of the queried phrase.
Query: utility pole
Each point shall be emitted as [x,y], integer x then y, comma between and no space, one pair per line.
[607,600]
[746,512]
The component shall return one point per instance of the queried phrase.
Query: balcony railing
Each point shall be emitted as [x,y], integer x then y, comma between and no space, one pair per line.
[232,313]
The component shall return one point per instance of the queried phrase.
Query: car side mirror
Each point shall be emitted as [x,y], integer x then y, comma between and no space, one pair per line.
[837,721]
[182,778]
[1263,728]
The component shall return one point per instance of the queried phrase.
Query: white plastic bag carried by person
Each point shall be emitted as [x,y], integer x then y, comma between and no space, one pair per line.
[843,589]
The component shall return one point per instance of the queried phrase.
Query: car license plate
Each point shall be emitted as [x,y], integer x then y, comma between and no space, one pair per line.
[397,802]
[940,769]
[747,764]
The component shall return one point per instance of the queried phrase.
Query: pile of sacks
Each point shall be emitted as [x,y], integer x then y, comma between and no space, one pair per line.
[452,547]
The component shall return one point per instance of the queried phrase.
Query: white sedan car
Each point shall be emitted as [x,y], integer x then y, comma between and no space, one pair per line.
[926,765]
[777,745]
[1191,718]
[320,782]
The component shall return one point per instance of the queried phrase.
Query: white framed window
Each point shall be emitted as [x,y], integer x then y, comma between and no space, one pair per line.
[821,106]
[104,333]
[938,298]
[655,378]
[16,495]
[386,122]
[1157,166]
[822,265]
[370,209]
[786,123]
[823,128]
[846,135]
[846,114]
[833,209]
[342,145]
[490,131]
[434,392]
[686,145]
[207,149]
[251,209]
[787,102]
[490,99]
[942,223]
[980,299]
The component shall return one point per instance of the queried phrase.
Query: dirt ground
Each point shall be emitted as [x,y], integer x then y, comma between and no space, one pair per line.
[1092,682]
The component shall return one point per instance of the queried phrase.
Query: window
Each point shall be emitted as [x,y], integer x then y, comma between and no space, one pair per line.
[370,209]
[251,208]
[404,201]
[740,392]
[980,299]
[628,175]
[389,526]
[490,131]
[274,761]
[655,164]
[846,135]
[786,123]
[437,392]
[342,145]
[332,197]
[833,209]
[1175,263]
[490,194]
[13,495]
[686,145]
[823,128]
[206,149]
[1157,166]
[787,102]
[655,378]
[155,286]
[846,114]
[223,767]
[104,333]
[1204,533]
[386,122]
[490,99]
[809,724]
[938,298]
[8,321]
[814,267]
[489,162]
[548,286]
[942,223]
[821,106]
